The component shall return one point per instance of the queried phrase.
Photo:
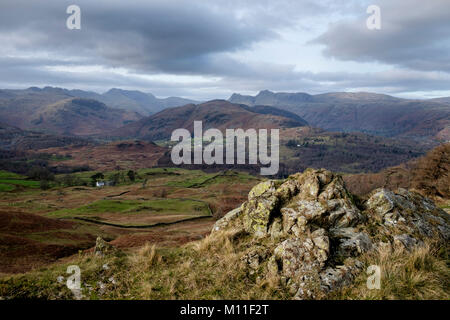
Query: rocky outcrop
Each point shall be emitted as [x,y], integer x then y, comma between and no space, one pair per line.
[309,231]
[407,214]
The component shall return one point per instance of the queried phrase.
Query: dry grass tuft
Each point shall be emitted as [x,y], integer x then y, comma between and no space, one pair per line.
[422,273]
[146,257]
[211,268]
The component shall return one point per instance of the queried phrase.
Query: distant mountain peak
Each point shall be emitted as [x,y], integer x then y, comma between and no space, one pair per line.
[35,89]
[265,92]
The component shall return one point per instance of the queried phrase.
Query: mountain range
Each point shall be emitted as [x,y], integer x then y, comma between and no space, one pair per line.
[77,112]
[132,100]
[371,113]
[61,121]
[134,114]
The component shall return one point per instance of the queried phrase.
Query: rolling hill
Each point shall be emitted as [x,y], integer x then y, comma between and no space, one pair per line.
[15,139]
[78,116]
[370,113]
[53,110]
[78,112]
[442,100]
[218,114]
[143,103]
[16,106]
[129,100]
[110,156]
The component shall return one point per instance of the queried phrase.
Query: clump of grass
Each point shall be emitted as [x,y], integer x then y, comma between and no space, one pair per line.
[422,273]
[206,269]
[146,257]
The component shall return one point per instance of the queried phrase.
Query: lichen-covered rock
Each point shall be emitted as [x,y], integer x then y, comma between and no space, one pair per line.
[351,243]
[254,257]
[333,278]
[406,212]
[230,220]
[406,242]
[276,228]
[297,257]
[309,231]
[262,202]
[321,240]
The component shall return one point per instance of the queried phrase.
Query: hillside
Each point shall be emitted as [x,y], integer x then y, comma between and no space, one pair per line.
[218,114]
[363,112]
[78,112]
[17,106]
[129,100]
[76,116]
[143,103]
[429,175]
[53,110]
[442,100]
[109,156]
[306,147]
[19,251]
[13,138]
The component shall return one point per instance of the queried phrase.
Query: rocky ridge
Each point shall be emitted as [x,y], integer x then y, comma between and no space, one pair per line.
[308,230]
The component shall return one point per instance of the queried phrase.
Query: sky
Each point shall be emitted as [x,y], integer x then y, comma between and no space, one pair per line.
[208,49]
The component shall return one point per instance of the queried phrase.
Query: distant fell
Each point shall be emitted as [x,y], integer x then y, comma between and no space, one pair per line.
[366,112]
[218,114]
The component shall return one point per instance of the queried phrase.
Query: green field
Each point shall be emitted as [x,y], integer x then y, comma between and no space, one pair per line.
[6,187]
[10,175]
[9,181]
[157,206]
[201,179]
[24,183]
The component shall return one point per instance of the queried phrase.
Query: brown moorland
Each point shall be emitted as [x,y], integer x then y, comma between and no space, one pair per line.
[133,154]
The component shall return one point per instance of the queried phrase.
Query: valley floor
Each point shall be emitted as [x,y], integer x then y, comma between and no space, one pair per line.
[168,207]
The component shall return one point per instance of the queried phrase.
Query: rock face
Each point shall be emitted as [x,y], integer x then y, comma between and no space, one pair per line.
[309,231]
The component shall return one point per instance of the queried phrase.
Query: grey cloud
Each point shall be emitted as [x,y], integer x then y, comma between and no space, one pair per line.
[182,36]
[149,36]
[414,34]
[196,37]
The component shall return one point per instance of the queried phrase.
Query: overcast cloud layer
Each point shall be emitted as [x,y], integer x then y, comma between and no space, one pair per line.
[209,49]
